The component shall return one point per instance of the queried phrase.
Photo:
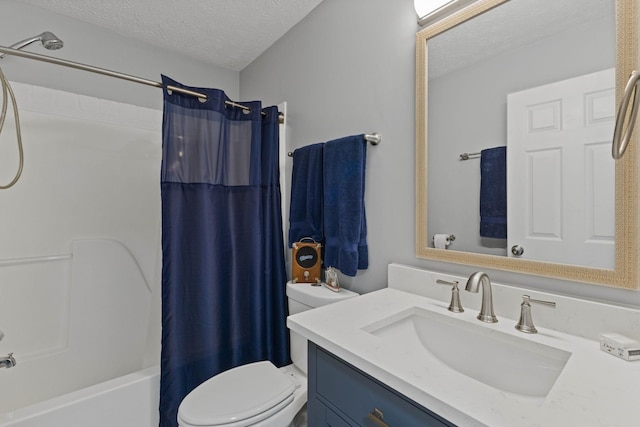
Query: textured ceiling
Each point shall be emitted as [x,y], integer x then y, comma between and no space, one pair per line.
[509,26]
[228,33]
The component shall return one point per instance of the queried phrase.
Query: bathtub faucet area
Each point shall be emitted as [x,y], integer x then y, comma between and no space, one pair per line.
[8,361]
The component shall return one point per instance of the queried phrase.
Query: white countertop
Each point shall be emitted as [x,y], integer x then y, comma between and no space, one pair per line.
[594,388]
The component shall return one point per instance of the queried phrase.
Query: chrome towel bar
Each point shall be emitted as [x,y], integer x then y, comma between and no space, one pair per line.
[373,138]
[467,156]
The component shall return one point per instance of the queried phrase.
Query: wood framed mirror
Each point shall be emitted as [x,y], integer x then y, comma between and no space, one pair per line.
[451,186]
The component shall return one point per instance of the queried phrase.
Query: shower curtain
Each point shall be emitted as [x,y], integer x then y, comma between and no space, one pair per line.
[223,271]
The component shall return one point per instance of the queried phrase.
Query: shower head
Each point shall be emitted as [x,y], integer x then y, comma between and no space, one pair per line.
[48,40]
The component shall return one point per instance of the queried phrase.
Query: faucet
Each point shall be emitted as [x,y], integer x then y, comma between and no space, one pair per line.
[8,361]
[473,284]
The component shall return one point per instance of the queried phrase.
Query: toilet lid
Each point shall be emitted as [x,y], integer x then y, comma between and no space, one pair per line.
[235,395]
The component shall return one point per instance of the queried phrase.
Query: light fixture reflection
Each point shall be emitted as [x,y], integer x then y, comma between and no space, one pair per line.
[430,11]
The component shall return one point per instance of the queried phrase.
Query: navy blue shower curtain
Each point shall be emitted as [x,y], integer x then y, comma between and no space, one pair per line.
[223,271]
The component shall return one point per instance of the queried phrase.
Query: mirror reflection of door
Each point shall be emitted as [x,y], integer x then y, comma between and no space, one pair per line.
[561,178]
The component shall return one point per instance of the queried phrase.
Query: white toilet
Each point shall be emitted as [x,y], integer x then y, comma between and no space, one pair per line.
[259,394]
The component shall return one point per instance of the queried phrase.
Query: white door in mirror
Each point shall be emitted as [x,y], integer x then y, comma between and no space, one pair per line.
[561,191]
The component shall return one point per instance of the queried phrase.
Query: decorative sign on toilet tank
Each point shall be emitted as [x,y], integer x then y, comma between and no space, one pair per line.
[307,261]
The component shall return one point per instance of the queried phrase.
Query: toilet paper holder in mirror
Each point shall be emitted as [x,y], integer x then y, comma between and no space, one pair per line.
[450,238]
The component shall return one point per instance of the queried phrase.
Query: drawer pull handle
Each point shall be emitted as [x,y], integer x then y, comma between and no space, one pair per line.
[377,417]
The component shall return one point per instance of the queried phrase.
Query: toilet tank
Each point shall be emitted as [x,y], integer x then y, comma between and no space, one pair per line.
[303,297]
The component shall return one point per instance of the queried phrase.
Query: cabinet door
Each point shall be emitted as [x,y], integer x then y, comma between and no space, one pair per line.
[353,395]
[324,417]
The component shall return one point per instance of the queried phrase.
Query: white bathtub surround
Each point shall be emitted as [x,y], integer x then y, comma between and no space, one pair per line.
[79,255]
[593,389]
[128,401]
[79,331]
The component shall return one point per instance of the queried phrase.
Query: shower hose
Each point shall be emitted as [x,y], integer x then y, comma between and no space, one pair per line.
[7,91]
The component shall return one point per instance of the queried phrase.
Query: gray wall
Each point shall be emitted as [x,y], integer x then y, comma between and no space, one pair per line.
[349,67]
[96,46]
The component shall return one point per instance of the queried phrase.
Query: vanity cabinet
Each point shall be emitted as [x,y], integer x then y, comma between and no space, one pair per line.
[340,395]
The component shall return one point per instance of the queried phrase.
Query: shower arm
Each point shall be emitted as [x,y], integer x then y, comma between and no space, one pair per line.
[25,42]
[21,44]
[49,41]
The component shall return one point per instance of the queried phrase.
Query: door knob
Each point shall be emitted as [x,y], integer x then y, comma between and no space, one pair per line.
[517,250]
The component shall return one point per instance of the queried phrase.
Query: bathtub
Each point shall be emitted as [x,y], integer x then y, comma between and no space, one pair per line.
[127,401]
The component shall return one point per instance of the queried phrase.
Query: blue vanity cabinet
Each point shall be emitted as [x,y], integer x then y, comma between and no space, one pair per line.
[340,395]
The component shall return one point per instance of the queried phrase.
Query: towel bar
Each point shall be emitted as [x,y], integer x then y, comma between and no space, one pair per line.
[373,138]
[467,156]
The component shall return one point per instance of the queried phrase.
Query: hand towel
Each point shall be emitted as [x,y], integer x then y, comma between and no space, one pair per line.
[305,207]
[345,224]
[493,193]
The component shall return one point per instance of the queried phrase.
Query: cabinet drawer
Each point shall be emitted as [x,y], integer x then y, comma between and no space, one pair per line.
[356,395]
[325,417]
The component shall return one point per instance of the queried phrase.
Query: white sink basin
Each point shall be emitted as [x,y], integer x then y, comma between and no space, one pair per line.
[497,359]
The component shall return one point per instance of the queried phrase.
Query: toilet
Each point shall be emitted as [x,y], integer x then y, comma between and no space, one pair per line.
[259,394]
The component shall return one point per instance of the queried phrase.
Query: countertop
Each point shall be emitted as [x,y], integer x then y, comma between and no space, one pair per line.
[594,388]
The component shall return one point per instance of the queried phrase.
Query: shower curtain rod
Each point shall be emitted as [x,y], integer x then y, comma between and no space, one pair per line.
[105,72]
[373,138]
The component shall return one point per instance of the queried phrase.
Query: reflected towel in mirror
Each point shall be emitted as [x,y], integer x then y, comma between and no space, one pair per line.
[493,193]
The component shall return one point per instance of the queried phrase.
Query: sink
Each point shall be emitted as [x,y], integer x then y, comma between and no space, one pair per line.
[498,359]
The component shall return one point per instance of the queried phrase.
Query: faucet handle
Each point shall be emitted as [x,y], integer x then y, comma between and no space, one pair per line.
[525,324]
[455,305]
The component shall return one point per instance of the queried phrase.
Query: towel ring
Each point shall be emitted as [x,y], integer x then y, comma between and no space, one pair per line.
[619,145]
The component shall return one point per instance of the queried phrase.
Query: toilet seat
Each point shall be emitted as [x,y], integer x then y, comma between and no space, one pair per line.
[238,397]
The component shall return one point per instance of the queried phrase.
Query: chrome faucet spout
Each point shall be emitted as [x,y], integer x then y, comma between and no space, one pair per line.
[8,361]
[473,285]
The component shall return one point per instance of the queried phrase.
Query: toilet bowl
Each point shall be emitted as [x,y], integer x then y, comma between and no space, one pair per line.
[260,394]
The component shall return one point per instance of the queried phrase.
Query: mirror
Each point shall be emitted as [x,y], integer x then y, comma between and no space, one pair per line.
[468,89]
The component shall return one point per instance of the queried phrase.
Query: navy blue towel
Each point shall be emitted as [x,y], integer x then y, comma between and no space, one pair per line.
[493,193]
[345,223]
[305,208]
